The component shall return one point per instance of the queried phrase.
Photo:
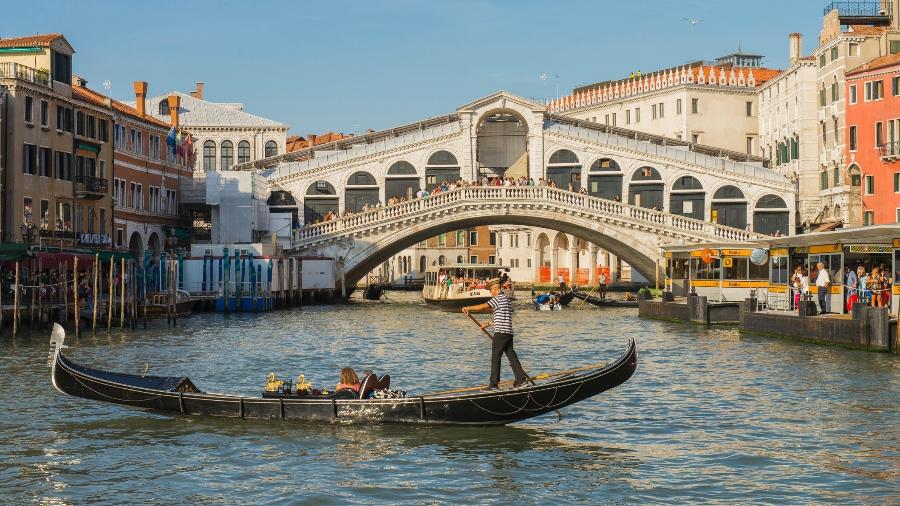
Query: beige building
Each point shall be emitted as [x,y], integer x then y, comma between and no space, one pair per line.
[788,127]
[848,39]
[713,105]
[57,155]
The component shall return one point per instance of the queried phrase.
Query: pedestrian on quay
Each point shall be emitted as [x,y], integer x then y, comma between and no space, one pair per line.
[502,339]
[823,284]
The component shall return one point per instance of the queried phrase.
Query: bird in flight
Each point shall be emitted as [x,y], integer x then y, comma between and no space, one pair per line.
[693,21]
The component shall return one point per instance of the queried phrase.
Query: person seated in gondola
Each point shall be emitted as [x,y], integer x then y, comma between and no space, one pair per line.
[348,379]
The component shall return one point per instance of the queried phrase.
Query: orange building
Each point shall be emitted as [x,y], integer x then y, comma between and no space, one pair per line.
[872,140]
[146,175]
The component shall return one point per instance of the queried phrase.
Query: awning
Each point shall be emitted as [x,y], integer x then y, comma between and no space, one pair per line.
[13,251]
[115,255]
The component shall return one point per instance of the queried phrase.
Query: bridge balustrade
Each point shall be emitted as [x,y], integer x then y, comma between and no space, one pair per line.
[489,194]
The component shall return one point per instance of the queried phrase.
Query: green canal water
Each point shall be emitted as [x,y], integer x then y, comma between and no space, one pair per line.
[710,416]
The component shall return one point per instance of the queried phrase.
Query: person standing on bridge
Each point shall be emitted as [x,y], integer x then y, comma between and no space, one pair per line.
[502,340]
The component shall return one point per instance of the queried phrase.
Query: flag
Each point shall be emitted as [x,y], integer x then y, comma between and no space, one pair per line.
[179,143]
[170,140]
[189,149]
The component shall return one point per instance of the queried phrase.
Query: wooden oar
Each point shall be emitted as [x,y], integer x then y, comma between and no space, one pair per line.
[489,336]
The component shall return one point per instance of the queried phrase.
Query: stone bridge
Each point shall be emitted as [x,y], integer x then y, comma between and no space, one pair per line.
[365,240]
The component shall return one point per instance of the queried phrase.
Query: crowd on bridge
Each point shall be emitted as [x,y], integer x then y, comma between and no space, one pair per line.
[448,186]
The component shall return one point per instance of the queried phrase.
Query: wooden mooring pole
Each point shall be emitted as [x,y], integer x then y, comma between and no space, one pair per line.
[111,300]
[16,302]
[122,295]
[75,294]
[96,298]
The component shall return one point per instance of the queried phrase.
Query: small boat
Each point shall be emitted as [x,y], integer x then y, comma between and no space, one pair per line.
[556,306]
[158,303]
[565,298]
[178,395]
[460,292]
[597,301]
[373,292]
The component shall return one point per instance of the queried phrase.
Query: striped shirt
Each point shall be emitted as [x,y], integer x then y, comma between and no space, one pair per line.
[502,307]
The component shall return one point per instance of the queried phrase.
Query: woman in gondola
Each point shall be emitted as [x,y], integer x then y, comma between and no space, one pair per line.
[348,379]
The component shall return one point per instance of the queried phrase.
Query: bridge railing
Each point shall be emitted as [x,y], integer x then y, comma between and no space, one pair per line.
[565,198]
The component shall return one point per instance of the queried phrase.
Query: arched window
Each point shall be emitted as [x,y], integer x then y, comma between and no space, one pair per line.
[687,183]
[401,168]
[441,168]
[321,187]
[163,107]
[604,164]
[563,156]
[729,207]
[442,260]
[646,174]
[728,192]
[770,216]
[687,198]
[361,178]
[209,156]
[271,149]
[459,259]
[227,153]
[442,158]
[564,170]
[771,202]
[243,152]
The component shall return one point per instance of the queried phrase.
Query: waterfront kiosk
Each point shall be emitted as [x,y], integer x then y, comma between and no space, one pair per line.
[839,251]
[719,272]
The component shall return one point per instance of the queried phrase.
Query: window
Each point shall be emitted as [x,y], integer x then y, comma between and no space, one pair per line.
[154,199]
[271,149]
[92,127]
[29,159]
[164,107]
[209,156]
[868,92]
[172,201]
[528,263]
[154,147]
[852,94]
[897,215]
[834,91]
[104,130]
[879,134]
[874,90]
[870,185]
[45,162]
[492,260]
[834,53]
[45,113]
[460,238]
[869,218]
[473,238]
[227,154]
[653,111]
[749,109]
[822,97]
[628,117]
[835,122]
[473,259]
[45,214]
[695,138]
[27,211]
[102,221]
[662,110]
[29,110]
[91,218]
[823,180]
[852,137]
[243,152]
[695,105]
[749,145]
[139,146]
[64,216]
[637,114]
[896,182]
[678,106]
[895,86]
[795,147]
[614,119]
[79,123]
[492,239]
[836,176]
[61,68]
[822,60]
[606,119]
[853,49]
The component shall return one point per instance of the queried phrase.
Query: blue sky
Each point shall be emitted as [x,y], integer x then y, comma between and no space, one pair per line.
[351,65]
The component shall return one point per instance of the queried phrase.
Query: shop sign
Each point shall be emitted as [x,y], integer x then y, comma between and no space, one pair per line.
[94,239]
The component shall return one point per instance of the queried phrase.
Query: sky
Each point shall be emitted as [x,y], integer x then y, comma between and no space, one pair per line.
[348,66]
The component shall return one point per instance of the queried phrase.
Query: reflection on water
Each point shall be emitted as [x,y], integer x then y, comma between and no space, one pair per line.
[710,415]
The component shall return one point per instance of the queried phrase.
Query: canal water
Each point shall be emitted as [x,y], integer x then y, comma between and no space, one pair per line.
[710,415]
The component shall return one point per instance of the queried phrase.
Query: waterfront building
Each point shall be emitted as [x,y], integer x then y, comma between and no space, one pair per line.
[146,176]
[709,104]
[57,150]
[788,127]
[849,38]
[873,137]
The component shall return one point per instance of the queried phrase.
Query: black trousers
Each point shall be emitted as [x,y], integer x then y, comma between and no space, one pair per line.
[602,290]
[822,294]
[500,344]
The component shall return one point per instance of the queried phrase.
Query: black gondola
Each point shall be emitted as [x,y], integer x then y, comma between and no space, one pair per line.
[597,301]
[178,395]
[373,292]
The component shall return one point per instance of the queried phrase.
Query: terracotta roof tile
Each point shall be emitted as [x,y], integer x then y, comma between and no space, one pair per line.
[878,63]
[31,40]
[866,30]
[296,142]
[91,96]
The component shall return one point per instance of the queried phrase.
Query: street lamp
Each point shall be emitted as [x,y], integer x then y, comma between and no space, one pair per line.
[546,76]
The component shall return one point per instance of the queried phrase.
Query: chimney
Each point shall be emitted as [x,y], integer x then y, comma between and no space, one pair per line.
[312,139]
[795,45]
[140,97]
[198,93]
[174,103]
[79,81]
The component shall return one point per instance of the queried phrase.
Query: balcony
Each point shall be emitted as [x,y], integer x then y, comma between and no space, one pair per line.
[12,70]
[90,187]
[861,12]
[890,152]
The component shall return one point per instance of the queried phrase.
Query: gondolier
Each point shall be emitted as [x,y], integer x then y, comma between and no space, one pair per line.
[502,340]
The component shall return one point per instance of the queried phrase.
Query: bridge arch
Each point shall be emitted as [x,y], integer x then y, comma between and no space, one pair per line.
[320,199]
[501,143]
[687,198]
[646,188]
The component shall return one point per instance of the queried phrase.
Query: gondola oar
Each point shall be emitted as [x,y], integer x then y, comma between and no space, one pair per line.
[489,336]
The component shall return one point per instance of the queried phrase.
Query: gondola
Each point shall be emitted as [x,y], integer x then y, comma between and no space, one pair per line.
[563,299]
[597,301]
[177,395]
[373,292]
[556,306]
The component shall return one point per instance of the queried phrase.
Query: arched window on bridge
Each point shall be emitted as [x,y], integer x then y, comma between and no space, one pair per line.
[209,156]
[646,189]
[564,169]
[281,201]
[442,166]
[501,144]
[271,149]
[401,180]
[226,151]
[361,189]
[729,207]
[687,198]
[605,179]
[320,199]
[771,215]
[243,152]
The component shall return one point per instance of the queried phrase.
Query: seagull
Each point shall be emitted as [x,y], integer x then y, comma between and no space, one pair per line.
[693,21]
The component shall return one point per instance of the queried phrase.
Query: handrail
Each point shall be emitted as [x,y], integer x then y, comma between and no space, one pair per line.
[530,193]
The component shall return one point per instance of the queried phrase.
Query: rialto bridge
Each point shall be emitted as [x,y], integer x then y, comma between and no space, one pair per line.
[641,189]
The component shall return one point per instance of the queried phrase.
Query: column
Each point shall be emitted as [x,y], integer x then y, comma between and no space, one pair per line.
[613,269]
[554,264]
[573,259]
[592,277]
[536,264]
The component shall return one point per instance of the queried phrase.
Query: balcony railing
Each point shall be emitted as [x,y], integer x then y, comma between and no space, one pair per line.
[90,186]
[861,11]
[890,151]
[18,71]
[57,234]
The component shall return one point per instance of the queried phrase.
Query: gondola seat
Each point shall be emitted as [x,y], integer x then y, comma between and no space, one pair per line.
[345,393]
[368,384]
[384,382]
